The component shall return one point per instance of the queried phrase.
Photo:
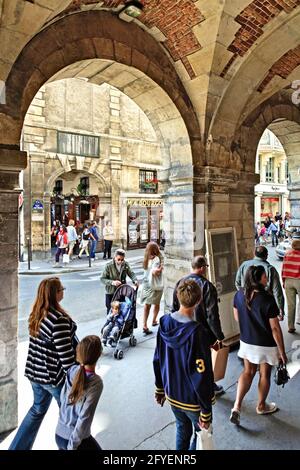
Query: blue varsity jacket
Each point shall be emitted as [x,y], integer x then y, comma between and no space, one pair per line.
[183,368]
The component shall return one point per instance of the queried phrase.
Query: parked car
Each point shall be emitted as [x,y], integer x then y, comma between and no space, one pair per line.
[282,247]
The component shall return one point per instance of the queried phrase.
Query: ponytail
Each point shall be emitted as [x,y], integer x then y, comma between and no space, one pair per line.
[88,351]
[252,282]
[78,386]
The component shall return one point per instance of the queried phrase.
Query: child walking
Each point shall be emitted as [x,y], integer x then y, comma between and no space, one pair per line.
[79,398]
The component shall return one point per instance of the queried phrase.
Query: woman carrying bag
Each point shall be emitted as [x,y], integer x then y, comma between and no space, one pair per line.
[152,284]
[52,345]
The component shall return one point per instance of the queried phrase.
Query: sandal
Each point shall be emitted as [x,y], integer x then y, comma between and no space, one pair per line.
[235,416]
[291,330]
[146,331]
[155,323]
[269,408]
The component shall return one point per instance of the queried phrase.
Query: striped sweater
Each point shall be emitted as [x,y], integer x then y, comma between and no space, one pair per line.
[51,353]
[291,265]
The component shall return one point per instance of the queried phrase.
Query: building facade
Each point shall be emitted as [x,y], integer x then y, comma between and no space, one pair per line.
[96,158]
[271,194]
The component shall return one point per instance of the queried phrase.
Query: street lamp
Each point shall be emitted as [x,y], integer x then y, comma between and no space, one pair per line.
[132,9]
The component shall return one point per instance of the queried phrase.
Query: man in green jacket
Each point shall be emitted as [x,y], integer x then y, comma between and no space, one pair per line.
[114,274]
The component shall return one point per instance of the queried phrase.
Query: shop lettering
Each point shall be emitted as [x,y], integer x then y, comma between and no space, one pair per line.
[144,202]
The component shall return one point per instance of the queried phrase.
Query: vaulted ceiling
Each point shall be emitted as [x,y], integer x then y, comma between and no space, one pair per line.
[231,55]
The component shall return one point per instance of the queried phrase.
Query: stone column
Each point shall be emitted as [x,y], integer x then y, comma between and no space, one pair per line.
[11,163]
[115,161]
[257,210]
[115,199]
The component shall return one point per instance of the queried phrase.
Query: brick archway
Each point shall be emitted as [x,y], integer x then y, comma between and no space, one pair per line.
[89,35]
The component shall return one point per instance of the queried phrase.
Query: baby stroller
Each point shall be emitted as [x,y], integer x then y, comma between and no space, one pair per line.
[126,295]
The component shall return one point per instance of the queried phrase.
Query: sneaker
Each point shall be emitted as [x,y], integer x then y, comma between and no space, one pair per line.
[218,389]
[56,265]
[235,417]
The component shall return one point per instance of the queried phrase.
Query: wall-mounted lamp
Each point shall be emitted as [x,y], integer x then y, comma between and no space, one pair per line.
[132,9]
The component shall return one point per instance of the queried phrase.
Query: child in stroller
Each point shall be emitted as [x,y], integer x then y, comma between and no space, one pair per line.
[125,299]
[113,324]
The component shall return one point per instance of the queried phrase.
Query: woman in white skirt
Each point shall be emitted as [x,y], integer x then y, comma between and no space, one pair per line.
[261,340]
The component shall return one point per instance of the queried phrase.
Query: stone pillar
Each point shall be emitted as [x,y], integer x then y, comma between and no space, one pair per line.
[38,227]
[115,199]
[11,163]
[178,212]
[257,210]
[116,162]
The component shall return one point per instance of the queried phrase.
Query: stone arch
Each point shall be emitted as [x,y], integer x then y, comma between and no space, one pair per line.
[90,35]
[61,171]
[273,113]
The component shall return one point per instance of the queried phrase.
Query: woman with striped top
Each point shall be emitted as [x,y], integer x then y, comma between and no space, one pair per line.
[52,345]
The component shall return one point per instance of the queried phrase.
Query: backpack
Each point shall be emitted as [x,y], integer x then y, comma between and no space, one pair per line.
[85,236]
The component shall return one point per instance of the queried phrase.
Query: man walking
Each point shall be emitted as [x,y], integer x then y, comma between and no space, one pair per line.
[108,237]
[274,285]
[115,274]
[207,310]
[291,281]
[94,239]
[183,369]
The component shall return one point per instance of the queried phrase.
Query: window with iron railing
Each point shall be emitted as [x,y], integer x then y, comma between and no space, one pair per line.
[77,144]
[148,181]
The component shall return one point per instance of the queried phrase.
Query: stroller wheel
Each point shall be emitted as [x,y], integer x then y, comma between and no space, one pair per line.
[132,341]
[118,354]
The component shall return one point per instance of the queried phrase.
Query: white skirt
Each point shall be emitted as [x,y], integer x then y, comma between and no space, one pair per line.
[259,354]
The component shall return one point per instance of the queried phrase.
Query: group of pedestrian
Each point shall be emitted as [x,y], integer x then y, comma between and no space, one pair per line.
[276,227]
[61,367]
[66,239]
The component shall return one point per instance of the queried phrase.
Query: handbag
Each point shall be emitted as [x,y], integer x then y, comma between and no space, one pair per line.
[156,282]
[281,376]
[66,258]
[219,360]
[205,439]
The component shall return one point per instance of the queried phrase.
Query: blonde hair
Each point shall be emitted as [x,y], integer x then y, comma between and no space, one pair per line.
[152,249]
[88,351]
[189,293]
[71,222]
[115,304]
[46,298]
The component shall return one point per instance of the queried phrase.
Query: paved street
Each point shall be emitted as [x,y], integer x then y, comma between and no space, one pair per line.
[127,416]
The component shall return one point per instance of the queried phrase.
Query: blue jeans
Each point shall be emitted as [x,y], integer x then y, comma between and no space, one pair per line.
[187,423]
[89,443]
[93,248]
[42,397]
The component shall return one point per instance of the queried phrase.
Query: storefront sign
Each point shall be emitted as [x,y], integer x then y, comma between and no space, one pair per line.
[144,202]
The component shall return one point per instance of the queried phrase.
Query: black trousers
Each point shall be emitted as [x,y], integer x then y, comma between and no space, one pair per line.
[107,248]
[108,300]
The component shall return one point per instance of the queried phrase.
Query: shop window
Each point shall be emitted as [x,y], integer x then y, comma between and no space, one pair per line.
[77,144]
[84,186]
[270,170]
[58,188]
[148,181]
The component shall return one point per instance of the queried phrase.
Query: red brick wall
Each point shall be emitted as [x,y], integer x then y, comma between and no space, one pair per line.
[252,20]
[175,19]
[283,67]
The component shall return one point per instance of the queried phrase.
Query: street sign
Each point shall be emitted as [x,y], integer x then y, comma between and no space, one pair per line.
[37,205]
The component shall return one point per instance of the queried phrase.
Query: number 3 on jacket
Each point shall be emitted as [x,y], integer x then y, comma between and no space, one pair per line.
[201,365]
